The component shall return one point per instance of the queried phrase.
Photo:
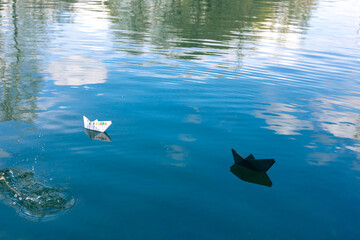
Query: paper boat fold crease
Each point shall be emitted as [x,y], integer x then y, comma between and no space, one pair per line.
[96,125]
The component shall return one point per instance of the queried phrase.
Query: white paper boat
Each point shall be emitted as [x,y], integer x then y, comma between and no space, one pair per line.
[96,125]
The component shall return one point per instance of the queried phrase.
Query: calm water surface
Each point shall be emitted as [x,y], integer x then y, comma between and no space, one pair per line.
[183,83]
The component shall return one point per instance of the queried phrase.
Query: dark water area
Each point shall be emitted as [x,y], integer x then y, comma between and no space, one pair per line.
[183,83]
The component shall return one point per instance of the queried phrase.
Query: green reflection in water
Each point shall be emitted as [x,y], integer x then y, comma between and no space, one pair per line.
[23,37]
[210,24]
[187,30]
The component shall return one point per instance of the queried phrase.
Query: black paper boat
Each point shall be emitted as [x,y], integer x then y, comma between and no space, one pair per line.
[258,165]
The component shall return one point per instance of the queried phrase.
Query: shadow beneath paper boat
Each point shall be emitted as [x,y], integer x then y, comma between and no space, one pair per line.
[251,176]
[32,197]
[94,135]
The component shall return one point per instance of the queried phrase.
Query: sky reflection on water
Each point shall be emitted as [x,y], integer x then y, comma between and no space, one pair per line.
[183,83]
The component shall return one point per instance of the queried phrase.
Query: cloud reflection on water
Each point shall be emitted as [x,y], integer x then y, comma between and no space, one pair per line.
[177,153]
[333,116]
[4,154]
[77,70]
[187,138]
[71,63]
[335,120]
[281,118]
[340,116]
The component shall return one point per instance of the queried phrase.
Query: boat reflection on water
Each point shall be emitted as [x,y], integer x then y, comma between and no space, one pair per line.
[101,136]
[251,176]
[31,197]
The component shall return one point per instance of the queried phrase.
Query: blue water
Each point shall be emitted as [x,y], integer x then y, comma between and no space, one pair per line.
[183,82]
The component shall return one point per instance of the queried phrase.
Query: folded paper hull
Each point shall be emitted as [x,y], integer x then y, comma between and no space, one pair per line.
[96,125]
[259,165]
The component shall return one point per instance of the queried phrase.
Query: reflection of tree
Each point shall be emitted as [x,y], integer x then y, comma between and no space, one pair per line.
[20,47]
[18,88]
[357,133]
[280,16]
[197,24]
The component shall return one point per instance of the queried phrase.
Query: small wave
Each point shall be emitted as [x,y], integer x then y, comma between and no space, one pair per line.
[31,197]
